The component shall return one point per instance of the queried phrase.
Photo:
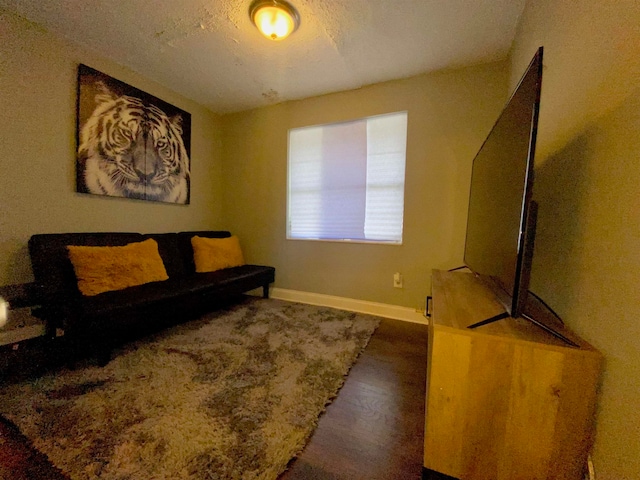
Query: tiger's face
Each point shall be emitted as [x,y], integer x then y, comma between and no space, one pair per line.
[132,149]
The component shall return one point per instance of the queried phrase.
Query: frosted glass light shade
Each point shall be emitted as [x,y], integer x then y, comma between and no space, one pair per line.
[275,19]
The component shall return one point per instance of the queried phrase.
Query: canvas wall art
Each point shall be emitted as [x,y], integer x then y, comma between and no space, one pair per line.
[130,144]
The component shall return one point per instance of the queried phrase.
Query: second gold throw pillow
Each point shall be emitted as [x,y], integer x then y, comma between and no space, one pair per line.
[211,254]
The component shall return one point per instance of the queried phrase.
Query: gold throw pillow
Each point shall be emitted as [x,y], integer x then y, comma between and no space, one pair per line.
[103,269]
[211,254]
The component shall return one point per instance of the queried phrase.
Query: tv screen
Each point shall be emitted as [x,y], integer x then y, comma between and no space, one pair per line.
[500,222]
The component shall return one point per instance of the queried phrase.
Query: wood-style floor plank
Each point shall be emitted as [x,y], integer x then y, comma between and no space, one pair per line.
[374,429]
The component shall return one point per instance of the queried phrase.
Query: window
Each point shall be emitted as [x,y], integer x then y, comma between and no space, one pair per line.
[346,180]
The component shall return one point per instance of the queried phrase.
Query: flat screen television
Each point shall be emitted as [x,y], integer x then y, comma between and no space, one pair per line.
[501,216]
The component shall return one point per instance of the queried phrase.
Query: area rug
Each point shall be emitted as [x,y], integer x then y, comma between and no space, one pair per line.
[234,395]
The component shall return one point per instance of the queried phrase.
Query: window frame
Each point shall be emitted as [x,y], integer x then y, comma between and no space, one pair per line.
[345,240]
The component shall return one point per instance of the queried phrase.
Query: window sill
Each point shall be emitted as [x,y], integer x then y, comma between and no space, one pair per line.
[347,240]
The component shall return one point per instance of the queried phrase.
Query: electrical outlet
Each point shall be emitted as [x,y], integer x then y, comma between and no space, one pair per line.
[397,280]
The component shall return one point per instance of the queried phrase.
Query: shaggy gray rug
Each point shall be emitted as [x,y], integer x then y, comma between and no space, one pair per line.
[234,395]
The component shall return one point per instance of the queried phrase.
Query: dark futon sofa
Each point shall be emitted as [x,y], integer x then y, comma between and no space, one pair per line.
[101,320]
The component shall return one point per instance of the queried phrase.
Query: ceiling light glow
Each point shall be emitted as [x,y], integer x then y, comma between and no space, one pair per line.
[275,19]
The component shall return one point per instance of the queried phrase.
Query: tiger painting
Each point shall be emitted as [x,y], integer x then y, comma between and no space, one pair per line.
[130,148]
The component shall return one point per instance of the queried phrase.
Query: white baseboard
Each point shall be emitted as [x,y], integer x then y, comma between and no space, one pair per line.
[395,312]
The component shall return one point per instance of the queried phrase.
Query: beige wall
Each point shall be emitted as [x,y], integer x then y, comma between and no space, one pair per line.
[587,258]
[37,179]
[449,115]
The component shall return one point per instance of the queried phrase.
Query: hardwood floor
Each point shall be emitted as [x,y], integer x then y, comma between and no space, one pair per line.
[372,430]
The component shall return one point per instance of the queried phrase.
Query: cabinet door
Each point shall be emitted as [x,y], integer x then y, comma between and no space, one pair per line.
[499,409]
[448,359]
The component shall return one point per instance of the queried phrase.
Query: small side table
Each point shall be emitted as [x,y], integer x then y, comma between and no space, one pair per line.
[21,325]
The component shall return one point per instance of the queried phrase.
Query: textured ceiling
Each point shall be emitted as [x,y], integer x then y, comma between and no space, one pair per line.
[209,51]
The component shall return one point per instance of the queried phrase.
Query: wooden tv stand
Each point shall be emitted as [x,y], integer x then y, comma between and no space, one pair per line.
[505,400]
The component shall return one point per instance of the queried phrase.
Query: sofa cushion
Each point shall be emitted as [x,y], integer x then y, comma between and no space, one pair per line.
[139,296]
[211,254]
[168,292]
[241,279]
[102,269]
[169,249]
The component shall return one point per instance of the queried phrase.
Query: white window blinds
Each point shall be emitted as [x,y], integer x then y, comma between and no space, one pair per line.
[346,180]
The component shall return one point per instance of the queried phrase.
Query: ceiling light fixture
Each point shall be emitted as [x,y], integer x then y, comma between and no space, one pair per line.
[276,19]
